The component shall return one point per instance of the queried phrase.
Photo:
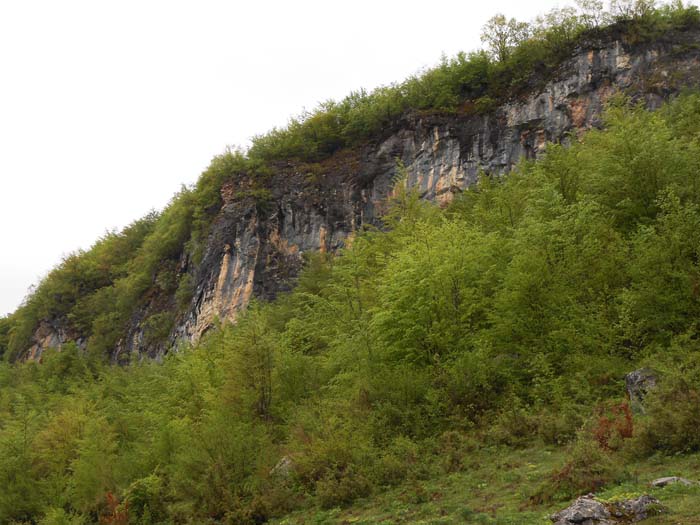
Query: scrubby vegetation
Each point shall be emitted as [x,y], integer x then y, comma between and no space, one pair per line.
[451,346]
[95,293]
[143,269]
[519,55]
[507,320]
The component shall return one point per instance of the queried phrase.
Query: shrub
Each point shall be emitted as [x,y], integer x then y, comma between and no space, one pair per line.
[58,516]
[588,468]
[157,327]
[397,462]
[514,425]
[485,104]
[673,417]
[146,498]
[452,449]
[342,488]
[613,424]
[185,291]
[559,423]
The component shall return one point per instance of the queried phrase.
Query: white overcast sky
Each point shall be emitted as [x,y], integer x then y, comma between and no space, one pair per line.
[107,107]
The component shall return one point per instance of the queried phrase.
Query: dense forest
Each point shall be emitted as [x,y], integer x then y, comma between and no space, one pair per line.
[505,320]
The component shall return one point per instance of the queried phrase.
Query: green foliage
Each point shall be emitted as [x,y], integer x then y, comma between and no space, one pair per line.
[21,496]
[157,328]
[58,516]
[5,325]
[185,291]
[146,500]
[65,369]
[336,489]
[502,35]
[93,467]
[508,318]
[138,272]
[673,408]
[250,372]
[588,468]
[518,55]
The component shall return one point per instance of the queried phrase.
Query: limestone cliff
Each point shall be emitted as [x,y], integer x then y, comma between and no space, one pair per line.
[256,244]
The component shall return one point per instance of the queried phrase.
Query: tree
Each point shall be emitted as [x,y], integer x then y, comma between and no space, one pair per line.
[5,325]
[93,466]
[631,9]
[252,349]
[21,494]
[592,14]
[559,27]
[502,35]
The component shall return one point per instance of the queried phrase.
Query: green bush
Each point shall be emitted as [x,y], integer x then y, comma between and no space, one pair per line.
[672,417]
[506,318]
[342,488]
[184,292]
[157,327]
[588,468]
[58,516]
[146,499]
[397,462]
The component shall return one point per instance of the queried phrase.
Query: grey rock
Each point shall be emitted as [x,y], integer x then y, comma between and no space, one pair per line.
[255,247]
[638,384]
[51,336]
[671,480]
[283,468]
[586,510]
[637,509]
[442,154]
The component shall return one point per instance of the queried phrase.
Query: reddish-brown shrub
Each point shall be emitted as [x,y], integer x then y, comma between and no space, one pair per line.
[614,423]
[115,514]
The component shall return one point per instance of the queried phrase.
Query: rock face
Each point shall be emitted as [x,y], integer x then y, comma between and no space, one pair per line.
[256,245]
[587,510]
[50,336]
[255,248]
[444,155]
[638,384]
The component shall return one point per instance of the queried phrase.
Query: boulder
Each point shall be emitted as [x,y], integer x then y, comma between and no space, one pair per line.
[283,468]
[586,510]
[638,384]
[671,480]
[636,509]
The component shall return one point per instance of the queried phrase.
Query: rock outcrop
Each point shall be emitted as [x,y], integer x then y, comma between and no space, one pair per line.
[51,335]
[587,510]
[638,384]
[256,245]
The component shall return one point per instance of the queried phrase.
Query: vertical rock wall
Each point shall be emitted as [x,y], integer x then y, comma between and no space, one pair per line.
[256,250]
[255,247]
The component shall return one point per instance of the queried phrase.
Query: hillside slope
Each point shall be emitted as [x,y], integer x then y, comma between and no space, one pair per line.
[442,350]
[439,349]
[259,222]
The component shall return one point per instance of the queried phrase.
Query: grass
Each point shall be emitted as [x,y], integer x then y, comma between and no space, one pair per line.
[682,502]
[494,489]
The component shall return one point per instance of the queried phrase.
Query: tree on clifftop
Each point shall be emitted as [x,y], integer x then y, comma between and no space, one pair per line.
[502,35]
